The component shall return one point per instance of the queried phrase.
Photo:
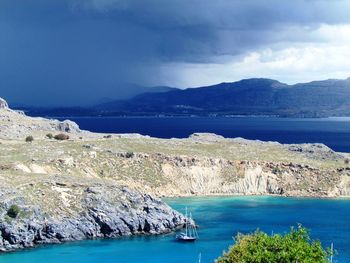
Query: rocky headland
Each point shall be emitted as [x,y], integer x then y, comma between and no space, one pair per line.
[107,185]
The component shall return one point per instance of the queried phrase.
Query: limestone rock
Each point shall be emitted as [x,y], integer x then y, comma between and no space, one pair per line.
[68,126]
[3,104]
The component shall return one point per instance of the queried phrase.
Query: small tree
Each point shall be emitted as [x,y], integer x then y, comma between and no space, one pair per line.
[29,138]
[61,137]
[13,211]
[295,246]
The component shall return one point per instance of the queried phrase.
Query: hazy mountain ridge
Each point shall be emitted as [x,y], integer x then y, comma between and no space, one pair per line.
[257,96]
[248,97]
[93,110]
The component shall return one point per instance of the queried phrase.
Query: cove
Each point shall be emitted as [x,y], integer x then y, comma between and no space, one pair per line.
[219,218]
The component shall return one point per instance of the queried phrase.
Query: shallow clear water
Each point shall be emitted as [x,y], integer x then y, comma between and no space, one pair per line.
[219,218]
[334,132]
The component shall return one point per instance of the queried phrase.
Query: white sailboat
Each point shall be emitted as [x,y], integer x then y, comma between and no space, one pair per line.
[190,234]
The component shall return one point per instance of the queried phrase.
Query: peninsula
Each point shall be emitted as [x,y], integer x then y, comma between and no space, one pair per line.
[59,183]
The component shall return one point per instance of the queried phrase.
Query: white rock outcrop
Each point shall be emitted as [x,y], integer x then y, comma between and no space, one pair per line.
[15,124]
[3,104]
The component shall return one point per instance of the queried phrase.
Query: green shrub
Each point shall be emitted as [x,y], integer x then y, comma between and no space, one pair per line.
[347,161]
[295,246]
[13,211]
[49,136]
[61,137]
[29,138]
[129,155]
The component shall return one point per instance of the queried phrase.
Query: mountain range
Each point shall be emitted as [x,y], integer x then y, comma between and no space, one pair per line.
[256,96]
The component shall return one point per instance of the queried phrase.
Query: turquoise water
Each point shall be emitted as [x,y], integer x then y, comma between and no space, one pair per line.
[219,218]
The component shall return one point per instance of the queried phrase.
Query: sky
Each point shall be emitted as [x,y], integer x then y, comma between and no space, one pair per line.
[77,52]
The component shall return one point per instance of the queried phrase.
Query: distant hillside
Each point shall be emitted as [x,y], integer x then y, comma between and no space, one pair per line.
[245,97]
[130,91]
[124,94]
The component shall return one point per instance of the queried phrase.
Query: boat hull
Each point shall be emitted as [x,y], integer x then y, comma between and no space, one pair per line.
[183,238]
[187,240]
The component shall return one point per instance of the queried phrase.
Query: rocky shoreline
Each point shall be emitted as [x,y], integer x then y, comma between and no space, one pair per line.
[108,212]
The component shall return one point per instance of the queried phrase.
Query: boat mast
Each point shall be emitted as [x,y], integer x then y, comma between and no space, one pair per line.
[186,221]
[191,226]
[331,260]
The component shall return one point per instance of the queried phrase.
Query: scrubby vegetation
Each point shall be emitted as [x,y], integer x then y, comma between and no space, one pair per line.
[129,155]
[13,211]
[49,136]
[294,247]
[29,138]
[61,137]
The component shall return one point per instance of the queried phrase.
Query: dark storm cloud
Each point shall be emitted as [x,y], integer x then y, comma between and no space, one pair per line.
[198,29]
[77,51]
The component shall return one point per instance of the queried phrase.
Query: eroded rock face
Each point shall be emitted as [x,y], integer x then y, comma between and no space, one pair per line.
[256,182]
[3,104]
[185,175]
[107,212]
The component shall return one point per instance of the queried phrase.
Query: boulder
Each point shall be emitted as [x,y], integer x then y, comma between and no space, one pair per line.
[68,126]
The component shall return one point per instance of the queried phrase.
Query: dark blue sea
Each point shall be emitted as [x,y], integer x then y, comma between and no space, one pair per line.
[219,218]
[334,132]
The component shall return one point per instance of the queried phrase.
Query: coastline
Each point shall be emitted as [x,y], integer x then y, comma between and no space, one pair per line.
[126,237]
[189,116]
[97,186]
[315,197]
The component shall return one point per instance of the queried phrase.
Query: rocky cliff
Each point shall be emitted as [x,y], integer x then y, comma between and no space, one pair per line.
[58,209]
[186,175]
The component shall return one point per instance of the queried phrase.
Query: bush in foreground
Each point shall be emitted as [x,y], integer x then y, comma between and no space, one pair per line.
[293,247]
[61,137]
[29,138]
[129,155]
[13,211]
